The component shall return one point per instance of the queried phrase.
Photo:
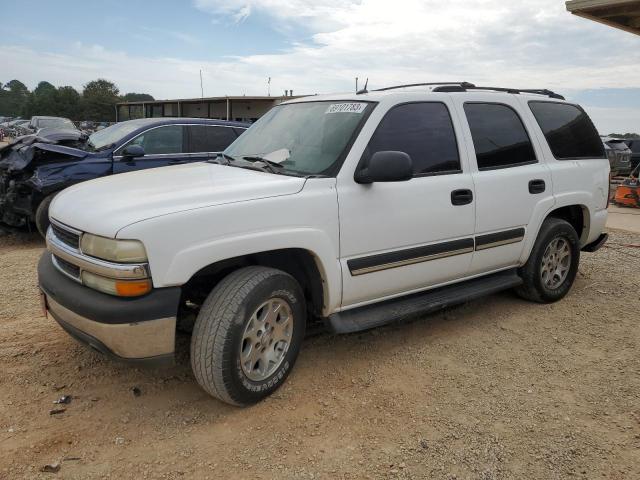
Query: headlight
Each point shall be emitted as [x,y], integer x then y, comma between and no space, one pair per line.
[121,288]
[121,251]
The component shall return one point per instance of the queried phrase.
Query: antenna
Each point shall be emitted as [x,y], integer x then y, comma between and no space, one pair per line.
[364,90]
[356,84]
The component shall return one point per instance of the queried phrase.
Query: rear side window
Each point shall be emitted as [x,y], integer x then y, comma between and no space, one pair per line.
[422,130]
[499,137]
[206,138]
[161,140]
[568,130]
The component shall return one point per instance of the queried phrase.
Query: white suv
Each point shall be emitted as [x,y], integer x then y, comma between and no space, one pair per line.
[356,210]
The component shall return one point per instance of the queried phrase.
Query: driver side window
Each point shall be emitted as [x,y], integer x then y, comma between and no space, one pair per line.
[423,130]
[161,140]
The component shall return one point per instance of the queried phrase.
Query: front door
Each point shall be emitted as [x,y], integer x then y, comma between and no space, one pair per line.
[164,145]
[407,236]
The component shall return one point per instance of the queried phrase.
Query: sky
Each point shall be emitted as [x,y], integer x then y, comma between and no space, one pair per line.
[320,46]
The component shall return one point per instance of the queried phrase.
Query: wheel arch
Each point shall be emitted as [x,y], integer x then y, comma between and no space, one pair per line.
[300,263]
[577,215]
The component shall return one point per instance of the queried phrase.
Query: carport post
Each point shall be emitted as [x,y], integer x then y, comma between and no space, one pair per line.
[228,108]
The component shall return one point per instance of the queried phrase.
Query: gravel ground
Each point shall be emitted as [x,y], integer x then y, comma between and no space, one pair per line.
[495,389]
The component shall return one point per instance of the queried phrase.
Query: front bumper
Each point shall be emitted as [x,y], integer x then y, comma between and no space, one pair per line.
[139,330]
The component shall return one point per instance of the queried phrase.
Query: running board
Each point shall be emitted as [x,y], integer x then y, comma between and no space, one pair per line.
[378,314]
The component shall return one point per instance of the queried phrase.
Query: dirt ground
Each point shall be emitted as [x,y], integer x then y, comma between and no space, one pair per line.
[495,389]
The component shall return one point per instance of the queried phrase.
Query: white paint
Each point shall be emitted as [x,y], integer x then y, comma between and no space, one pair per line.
[193,215]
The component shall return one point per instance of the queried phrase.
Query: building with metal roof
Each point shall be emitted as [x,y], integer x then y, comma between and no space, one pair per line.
[238,108]
[622,14]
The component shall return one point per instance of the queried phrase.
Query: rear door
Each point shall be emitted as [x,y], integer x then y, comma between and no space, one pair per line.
[163,145]
[511,181]
[205,141]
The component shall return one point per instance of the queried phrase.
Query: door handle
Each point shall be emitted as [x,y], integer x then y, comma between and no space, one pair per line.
[463,196]
[537,186]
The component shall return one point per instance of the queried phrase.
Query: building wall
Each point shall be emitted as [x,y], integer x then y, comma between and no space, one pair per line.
[248,110]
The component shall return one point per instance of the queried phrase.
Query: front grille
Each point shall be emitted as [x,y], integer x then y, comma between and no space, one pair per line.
[66,267]
[65,236]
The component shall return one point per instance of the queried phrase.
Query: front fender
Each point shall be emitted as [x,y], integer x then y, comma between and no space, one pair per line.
[181,244]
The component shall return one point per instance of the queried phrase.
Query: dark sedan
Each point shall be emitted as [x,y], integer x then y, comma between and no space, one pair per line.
[34,168]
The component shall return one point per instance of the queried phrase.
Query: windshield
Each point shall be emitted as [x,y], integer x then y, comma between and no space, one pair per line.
[112,134]
[305,138]
[55,122]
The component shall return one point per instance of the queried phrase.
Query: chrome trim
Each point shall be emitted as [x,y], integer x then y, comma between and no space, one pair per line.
[54,260]
[117,156]
[499,243]
[127,340]
[127,271]
[411,261]
[66,227]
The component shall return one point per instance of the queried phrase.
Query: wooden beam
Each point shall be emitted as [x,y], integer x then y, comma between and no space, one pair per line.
[609,23]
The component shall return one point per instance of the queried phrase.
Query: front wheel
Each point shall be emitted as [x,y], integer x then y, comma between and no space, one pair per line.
[248,334]
[42,215]
[553,264]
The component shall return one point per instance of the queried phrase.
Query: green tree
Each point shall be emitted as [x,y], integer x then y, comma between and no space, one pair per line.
[137,97]
[68,103]
[13,98]
[99,98]
[42,101]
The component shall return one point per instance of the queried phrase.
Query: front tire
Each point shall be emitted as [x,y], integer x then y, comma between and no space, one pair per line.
[553,264]
[42,215]
[248,334]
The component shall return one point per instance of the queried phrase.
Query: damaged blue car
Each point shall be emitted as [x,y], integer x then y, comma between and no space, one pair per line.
[34,168]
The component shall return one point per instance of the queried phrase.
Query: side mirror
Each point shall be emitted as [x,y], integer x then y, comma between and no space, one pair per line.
[388,166]
[133,151]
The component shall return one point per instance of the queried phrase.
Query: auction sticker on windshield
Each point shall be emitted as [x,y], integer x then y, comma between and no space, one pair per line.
[346,108]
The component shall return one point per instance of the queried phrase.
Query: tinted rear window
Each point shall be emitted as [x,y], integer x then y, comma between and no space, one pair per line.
[499,137]
[568,130]
[206,138]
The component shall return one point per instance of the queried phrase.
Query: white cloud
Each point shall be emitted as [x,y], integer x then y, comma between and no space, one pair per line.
[517,43]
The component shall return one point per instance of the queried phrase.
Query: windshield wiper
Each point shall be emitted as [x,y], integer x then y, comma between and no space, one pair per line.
[222,156]
[273,167]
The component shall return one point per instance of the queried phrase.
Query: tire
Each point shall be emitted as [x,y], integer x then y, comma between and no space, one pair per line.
[537,287]
[223,352]
[42,215]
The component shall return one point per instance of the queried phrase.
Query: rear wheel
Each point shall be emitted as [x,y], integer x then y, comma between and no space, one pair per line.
[42,215]
[248,334]
[553,264]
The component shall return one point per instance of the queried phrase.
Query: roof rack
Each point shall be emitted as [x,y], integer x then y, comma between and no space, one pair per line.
[459,84]
[465,86]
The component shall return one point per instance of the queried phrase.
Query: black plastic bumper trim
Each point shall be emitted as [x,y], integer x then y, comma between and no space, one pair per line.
[597,245]
[103,308]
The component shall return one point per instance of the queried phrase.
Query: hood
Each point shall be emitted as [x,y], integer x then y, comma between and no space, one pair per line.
[106,205]
[56,145]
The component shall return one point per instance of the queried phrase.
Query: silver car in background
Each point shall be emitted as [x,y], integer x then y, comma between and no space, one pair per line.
[619,155]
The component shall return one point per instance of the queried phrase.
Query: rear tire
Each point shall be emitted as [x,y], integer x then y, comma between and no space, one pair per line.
[42,215]
[248,334]
[553,264]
